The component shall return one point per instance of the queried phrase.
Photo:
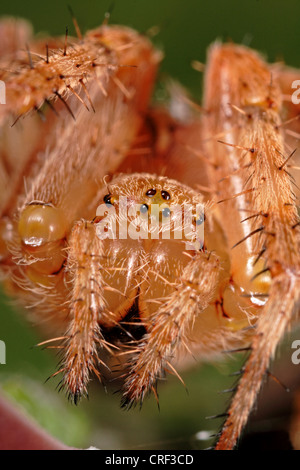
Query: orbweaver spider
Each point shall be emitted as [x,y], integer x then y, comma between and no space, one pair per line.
[139,302]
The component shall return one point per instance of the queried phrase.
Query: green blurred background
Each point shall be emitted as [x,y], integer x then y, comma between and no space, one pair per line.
[186,29]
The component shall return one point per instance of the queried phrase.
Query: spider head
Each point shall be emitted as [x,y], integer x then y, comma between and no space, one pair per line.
[150,207]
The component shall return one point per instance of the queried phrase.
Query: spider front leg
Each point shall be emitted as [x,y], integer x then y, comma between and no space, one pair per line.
[87,303]
[170,325]
[100,297]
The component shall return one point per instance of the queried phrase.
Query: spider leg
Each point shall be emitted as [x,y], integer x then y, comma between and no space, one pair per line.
[86,306]
[270,244]
[64,162]
[287,78]
[192,294]
[285,300]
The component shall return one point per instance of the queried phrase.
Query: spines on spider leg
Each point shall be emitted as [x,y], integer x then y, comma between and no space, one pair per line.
[250,122]
[37,78]
[14,164]
[96,143]
[101,54]
[86,305]
[287,78]
[250,118]
[169,325]
[277,316]
[80,153]
[223,80]
[267,184]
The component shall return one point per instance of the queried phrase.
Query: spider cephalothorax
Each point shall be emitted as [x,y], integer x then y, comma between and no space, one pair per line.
[144,252]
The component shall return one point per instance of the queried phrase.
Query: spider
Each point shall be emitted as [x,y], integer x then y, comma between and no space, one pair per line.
[82,137]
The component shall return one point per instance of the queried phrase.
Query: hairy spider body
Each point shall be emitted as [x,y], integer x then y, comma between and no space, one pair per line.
[111,263]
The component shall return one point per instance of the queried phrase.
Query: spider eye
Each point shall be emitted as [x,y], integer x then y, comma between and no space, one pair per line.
[144,208]
[166,212]
[165,195]
[109,200]
[200,219]
[151,192]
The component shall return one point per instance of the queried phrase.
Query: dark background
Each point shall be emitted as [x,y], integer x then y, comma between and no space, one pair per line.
[186,29]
